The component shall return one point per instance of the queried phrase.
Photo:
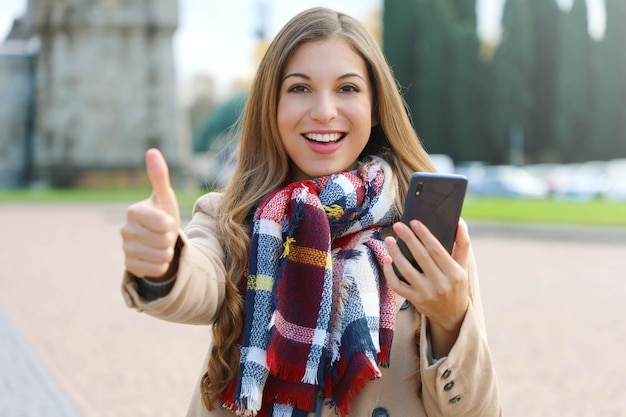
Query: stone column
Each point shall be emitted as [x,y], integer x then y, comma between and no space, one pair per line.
[16,113]
[105,89]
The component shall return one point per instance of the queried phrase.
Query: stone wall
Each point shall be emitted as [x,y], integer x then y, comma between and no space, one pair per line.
[105,86]
[16,113]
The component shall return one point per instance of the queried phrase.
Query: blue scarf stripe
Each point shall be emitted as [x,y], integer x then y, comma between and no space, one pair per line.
[339,191]
[316,354]
[256,337]
[268,251]
[356,339]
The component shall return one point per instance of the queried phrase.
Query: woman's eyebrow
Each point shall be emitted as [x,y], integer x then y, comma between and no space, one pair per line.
[306,77]
[297,75]
[350,75]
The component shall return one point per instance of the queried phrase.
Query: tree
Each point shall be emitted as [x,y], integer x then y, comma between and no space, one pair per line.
[432,106]
[573,122]
[512,63]
[399,38]
[219,122]
[433,48]
[609,92]
[540,142]
[467,86]
[465,11]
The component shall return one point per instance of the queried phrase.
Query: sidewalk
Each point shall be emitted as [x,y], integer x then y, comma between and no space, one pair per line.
[553,299]
[26,388]
[60,288]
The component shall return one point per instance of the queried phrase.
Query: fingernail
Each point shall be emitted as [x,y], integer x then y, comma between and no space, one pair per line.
[398,227]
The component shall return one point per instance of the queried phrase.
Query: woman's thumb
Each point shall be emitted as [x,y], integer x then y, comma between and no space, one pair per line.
[159,175]
[462,244]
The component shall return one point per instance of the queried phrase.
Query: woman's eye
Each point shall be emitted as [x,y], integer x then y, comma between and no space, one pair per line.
[297,89]
[349,89]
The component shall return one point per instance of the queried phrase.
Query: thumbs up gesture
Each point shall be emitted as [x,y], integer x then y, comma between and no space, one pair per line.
[150,232]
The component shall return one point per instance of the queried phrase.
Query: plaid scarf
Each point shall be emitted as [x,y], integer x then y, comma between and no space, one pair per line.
[319,314]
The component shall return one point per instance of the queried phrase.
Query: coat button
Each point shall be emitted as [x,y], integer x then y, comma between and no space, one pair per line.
[448,386]
[446,374]
[380,412]
[455,399]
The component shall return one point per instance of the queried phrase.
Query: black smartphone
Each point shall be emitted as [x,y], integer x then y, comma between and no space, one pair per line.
[436,200]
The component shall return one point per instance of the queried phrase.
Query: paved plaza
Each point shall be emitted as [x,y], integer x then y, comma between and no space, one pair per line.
[554,299]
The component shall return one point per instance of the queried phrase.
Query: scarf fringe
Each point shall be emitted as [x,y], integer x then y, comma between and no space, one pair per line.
[297,396]
[289,371]
[364,375]
[251,397]
[310,376]
[282,410]
[384,356]
[228,397]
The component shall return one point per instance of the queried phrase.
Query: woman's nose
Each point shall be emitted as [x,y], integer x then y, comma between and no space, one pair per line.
[324,108]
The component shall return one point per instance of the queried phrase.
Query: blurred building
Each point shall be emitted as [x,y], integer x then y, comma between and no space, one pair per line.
[87,87]
[17,79]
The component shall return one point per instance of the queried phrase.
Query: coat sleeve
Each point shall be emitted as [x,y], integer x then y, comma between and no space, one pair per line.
[464,383]
[199,288]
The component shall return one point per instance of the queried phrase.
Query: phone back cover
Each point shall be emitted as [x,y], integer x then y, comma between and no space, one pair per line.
[438,205]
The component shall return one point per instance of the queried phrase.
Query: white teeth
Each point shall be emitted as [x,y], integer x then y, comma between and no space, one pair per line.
[325,138]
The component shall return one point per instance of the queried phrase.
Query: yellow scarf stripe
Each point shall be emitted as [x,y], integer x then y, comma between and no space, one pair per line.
[310,256]
[260,282]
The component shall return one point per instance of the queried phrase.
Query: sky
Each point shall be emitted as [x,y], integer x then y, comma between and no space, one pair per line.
[218,37]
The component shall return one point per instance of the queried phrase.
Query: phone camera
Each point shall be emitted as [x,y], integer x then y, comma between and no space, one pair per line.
[418,188]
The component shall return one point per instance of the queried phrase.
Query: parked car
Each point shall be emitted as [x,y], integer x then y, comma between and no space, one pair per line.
[581,181]
[503,181]
[615,180]
[443,163]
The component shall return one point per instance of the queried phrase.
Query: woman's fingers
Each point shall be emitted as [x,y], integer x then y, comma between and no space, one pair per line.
[145,214]
[440,292]
[148,240]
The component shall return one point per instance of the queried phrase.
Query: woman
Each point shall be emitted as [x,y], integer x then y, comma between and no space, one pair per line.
[290,264]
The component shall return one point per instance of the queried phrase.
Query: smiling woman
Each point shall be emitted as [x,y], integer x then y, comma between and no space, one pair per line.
[291,264]
[325,112]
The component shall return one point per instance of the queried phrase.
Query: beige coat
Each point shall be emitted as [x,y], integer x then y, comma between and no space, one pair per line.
[461,384]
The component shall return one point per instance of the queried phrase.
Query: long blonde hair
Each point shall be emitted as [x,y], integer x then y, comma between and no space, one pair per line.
[263,164]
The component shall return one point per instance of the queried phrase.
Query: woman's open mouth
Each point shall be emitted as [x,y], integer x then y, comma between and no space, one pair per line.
[324,137]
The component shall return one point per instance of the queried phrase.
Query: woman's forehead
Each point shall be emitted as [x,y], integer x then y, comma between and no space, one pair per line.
[335,52]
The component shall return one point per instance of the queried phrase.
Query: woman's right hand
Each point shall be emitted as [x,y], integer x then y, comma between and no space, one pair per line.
[152,226]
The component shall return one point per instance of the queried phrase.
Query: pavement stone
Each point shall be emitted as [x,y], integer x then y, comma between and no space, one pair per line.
[28,390]
[554,300]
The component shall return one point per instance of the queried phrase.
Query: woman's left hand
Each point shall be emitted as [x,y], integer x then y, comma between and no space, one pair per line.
[441,291]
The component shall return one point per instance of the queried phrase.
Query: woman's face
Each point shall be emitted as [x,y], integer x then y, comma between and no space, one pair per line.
[324,108]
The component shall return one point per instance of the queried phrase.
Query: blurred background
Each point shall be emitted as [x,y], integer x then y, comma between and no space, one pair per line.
[525,97]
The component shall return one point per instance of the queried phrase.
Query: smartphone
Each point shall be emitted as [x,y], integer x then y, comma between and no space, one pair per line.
[436,200]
